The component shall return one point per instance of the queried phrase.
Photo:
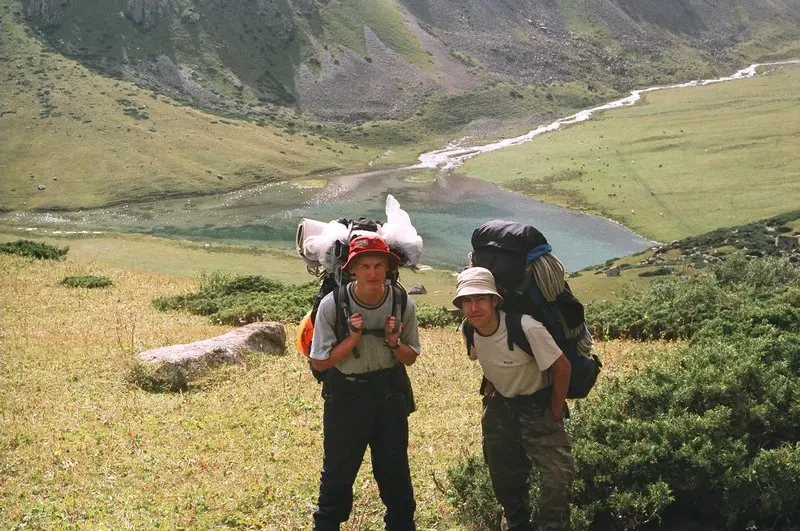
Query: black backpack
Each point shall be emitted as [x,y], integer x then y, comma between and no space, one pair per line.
[337,281]
[508,249]
[341,299]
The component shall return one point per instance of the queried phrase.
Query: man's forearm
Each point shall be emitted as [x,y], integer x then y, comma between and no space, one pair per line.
[561,373]
[405,354]
[338,353]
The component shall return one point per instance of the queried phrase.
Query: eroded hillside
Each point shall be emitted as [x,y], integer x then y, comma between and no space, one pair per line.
[353,60]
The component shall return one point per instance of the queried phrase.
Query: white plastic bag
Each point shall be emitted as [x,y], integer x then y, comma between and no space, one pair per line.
[400,235]
[305,230]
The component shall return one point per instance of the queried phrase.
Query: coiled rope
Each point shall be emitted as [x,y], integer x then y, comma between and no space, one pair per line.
[548,272]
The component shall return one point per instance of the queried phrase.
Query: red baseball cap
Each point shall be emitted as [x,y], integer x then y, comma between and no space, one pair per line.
[374,244]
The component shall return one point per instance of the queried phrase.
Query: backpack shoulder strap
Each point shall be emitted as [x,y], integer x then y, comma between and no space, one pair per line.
[399,300]
[341,300]
[516,335]
[469,335]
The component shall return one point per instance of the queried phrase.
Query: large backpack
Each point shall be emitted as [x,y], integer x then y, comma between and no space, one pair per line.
[341,299]
[531,281]
[336,281]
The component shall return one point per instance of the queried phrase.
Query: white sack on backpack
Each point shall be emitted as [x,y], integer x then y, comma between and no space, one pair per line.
[400,235]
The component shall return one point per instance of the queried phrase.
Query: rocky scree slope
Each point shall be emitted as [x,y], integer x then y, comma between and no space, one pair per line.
[355,60]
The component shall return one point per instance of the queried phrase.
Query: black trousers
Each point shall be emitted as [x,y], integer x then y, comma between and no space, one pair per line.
[367,410]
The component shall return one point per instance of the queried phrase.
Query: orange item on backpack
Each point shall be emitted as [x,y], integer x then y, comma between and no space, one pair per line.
[305,332]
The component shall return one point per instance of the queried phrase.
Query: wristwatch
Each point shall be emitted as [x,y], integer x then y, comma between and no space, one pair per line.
[393,347]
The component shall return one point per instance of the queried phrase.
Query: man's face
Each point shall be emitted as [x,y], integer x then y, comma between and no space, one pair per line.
[479,309]
[370,269]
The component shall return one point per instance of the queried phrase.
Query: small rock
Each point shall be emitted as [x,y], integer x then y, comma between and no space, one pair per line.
[41,187]
[417,289]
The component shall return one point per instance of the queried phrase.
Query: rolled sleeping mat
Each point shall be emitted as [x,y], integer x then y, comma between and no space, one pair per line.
[305,229]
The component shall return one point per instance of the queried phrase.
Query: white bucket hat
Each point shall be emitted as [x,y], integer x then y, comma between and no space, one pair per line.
[475,281]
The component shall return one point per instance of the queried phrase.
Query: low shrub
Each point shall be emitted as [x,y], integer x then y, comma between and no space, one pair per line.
[32,249]
[706,439]
[657,272]
[245,299]
[470,491]
[87,281]
[675,308]
[436,316]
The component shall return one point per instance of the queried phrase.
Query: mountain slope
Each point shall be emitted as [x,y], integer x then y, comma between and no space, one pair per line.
[354,60]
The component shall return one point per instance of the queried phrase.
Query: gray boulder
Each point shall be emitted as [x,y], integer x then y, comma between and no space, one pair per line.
[417,289]
[174,367]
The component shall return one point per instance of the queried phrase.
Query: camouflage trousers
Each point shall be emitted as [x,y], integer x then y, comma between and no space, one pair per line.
[519,432]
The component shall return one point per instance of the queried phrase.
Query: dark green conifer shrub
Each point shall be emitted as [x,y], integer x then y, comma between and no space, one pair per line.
[675,308]
[244,299]
[87,281]
[240,300]
[706,439]
[32,249]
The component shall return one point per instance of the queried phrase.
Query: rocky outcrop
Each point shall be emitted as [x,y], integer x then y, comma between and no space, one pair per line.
[146,13]
[382,84]
[49,11]
[284,52]
[174,367]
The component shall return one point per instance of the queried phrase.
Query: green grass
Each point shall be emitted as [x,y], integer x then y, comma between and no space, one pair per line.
[679,163]
[108,156]
[346,19]
[81,447]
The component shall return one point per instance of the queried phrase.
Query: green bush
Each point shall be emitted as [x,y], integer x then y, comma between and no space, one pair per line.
[87,281]
[705,439]
[435,316]
[675,308]
[244,299]
[470,492]
[657,272]
[32,249]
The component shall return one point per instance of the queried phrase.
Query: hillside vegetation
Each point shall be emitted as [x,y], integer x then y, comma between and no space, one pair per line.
[358,59]
[92,140]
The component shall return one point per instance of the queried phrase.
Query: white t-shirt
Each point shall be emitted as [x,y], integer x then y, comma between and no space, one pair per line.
[514,372]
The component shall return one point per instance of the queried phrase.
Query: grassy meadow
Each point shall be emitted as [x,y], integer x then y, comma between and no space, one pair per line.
[93,140]
[679,162]
[81,447]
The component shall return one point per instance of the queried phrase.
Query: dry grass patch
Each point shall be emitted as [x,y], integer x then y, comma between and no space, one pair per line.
[81,447]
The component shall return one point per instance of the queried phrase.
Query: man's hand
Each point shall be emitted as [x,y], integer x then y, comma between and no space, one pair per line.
[391,335]
[356,324]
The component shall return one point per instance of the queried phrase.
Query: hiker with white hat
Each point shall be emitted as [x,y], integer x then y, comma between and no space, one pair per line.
[523,406]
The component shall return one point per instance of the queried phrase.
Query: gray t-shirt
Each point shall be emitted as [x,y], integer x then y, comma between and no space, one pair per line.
[374,354]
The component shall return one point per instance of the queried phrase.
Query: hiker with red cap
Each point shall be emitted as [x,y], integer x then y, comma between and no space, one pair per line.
[366,389]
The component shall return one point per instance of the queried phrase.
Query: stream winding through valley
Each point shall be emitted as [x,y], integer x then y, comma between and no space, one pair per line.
[445,210]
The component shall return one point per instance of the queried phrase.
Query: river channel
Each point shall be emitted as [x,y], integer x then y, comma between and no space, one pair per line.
[445,209]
